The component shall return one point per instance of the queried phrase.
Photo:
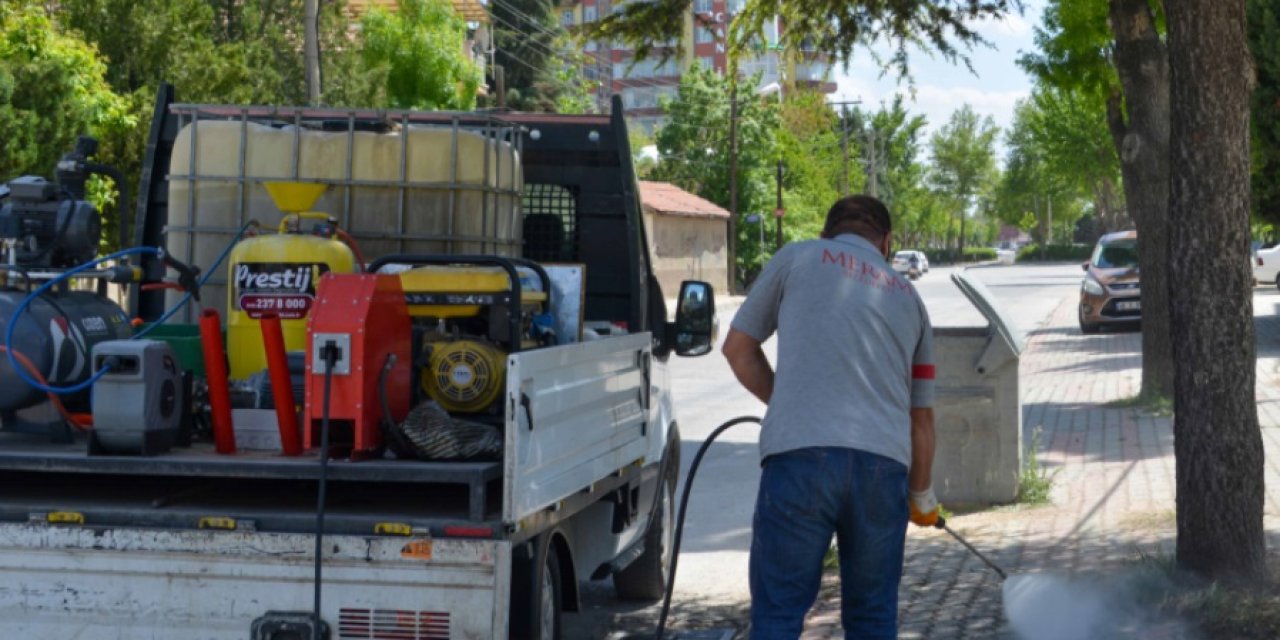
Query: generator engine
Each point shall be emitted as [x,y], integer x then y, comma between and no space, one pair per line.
[467,318]
[49,224]
[45,228]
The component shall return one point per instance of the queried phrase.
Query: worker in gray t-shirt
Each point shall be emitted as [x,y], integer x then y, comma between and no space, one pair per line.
[847,442]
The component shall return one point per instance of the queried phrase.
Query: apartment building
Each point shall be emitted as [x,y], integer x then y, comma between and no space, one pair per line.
[643,84]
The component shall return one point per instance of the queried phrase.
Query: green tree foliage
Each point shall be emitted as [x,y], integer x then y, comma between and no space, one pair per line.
[221,52]
[1264,33]
[901,175]
[1060,161]
[53,88]
[833,26]
[1074,48]
[809,146]
[693,147]
[421,45]
[964,162]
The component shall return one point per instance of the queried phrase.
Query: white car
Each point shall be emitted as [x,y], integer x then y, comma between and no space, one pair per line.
[912,264]
[1266,265]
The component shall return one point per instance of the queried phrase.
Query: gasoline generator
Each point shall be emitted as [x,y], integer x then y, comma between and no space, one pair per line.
[468,313]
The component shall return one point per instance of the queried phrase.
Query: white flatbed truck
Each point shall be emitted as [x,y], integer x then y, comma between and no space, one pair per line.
[194,545]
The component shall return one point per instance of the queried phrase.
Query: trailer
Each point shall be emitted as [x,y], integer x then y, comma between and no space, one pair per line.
[191,543]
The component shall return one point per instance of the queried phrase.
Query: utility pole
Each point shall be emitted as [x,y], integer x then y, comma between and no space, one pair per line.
[844,150]
[500,79]
[844,142]
[733,185]
[311,34]
[1048,229]
[873,172]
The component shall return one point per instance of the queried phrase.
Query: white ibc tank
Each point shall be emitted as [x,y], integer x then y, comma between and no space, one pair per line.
[479,214]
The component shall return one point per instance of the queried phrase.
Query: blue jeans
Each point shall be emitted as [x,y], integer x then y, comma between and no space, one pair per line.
[805,496]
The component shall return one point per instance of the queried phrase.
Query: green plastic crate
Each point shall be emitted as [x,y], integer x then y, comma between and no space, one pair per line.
[184,339]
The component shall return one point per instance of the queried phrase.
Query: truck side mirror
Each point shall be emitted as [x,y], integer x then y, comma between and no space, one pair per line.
[696,326]
[1085,266]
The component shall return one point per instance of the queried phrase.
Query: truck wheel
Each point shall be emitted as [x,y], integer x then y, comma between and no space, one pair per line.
[646,577]
[550,599]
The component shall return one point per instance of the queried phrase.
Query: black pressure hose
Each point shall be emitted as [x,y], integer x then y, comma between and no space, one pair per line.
[684,506]
[330,353]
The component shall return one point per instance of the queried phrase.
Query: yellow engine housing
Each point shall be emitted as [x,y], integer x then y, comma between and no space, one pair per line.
[465,376]
[421,282]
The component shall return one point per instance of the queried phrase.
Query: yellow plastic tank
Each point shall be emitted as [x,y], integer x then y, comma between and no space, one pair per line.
[278,273]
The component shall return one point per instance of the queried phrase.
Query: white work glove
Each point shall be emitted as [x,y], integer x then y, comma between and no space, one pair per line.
[924,507]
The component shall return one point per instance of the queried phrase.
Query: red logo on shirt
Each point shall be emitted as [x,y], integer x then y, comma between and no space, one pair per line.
[865,272]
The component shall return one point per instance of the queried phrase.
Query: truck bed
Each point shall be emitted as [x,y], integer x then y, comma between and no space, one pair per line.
[576,428]
[179,488]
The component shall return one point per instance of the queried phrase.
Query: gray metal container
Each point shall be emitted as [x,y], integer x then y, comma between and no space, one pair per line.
[137,405]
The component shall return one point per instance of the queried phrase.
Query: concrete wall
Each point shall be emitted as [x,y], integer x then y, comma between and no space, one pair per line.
[978,417]
[685,248]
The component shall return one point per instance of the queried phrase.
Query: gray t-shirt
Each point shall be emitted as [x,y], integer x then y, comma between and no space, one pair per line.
[855,348]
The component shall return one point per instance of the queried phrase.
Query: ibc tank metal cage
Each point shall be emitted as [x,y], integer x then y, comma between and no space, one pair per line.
[493,194]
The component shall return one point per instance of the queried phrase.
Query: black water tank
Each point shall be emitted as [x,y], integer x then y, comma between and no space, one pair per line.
[57,333]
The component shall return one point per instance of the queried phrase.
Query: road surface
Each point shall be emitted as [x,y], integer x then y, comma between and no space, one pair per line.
[711,583]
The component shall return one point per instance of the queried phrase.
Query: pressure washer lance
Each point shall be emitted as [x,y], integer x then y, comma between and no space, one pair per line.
[942,524]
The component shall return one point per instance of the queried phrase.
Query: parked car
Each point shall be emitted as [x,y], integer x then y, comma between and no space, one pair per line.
[1266,265]
[912,264]
[1110,293]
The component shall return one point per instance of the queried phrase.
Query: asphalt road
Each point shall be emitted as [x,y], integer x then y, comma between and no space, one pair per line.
[711,581]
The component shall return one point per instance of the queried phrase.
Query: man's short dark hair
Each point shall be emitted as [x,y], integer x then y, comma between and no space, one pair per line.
[860,214]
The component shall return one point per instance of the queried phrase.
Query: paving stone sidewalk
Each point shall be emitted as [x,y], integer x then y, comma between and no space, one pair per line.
[1113,489]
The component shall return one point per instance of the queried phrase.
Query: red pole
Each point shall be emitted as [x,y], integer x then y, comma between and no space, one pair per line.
[215,367]
[281,384]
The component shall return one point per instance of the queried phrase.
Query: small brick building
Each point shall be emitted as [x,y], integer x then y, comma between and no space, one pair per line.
[686,237]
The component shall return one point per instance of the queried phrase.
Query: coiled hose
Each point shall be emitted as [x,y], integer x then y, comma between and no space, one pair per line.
[26,302]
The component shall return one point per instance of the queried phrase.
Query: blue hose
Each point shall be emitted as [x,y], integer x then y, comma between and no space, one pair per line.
[17,313]
[203,279]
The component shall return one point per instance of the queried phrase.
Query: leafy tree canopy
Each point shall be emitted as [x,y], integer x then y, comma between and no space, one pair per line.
[836,27]
[1264,33]
[693,147]
[52,89]
[422,46]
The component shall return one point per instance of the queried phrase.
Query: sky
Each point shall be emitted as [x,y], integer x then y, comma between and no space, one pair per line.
[992,88]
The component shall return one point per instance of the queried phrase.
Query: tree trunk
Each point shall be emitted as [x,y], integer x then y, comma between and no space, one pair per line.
[1216,436]
[1142,142]
[311,46]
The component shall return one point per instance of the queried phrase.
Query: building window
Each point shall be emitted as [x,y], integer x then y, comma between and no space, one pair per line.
[702,6]
[589,14]
[590,46]
[704,35]
[707,62]
[566,18]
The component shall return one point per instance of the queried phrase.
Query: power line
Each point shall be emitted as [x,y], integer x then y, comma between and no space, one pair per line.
[545,48]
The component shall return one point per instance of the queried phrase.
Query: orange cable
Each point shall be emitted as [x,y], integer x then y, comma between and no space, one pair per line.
[53,398]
